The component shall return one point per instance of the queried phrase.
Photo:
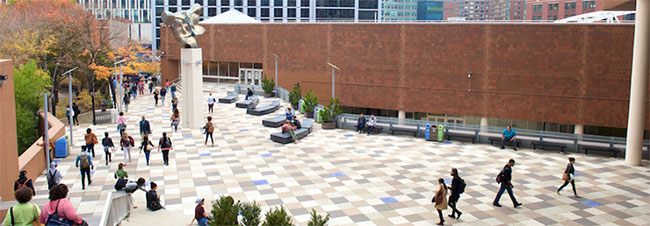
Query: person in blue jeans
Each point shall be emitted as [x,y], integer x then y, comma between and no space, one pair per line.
[371,123]
[361,123]
[506,184]
[200,216]
[289,115]
[249,93]
[509,135]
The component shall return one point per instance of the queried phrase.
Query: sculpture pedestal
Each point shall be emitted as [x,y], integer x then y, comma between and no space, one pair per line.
[192,88]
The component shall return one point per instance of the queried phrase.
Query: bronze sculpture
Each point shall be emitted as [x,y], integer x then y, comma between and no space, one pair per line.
[185,25]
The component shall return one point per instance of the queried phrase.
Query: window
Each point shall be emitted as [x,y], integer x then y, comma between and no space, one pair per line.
[252,2]
[200,2]
[224,9]
[367,15]
[335,3]
[158,2]
[173,2]
[552,18]
[333,14]
[368,4]
[265,12]
[277,12]
[553,7]
[304,2]
[239,9]
[277,2]
[173,9]
[212,11]
[186,2]
[570,5]
[291,12]
[251,12]
[239,2]
[304,13]
[265,2]
[212,2]
[291,2]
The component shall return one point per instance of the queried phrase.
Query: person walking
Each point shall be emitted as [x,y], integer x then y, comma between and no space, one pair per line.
[127,143]
[120,173]
[23,213]
[361,123]
[109,147]
[175,119]
[84,162]
[172,89]
[165,144]
[53,176]
[77,112]
[457,187]
[568,177]
[163,92]
[505,178]
[155,96]
[145,128]
[150,87]
[126,101]
[440,199]
[209,129]
[121,123]
[67,115]
[91,140]
[61,207]
[174,103]
[24,182]
[146,146]
[371,124]
[211,101]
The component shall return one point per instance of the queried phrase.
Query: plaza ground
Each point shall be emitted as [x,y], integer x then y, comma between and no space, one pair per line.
[357,179]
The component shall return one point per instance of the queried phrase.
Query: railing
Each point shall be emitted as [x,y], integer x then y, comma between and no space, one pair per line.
[118,207]
[573,141]
[450,22]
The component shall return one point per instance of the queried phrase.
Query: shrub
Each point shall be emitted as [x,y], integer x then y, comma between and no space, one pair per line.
[277,217]
[311,100]
[317,219]
[331,110]
[267,85]
[29,84]
[225,212]
[250,214]
[295,94]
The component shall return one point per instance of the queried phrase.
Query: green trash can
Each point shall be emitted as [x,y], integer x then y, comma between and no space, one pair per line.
[302,107]
[441,133]
[317,115]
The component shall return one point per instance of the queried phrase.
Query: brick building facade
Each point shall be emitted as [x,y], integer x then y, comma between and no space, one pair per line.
[563,73]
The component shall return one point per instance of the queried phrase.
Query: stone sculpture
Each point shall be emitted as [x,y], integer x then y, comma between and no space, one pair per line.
[185,25]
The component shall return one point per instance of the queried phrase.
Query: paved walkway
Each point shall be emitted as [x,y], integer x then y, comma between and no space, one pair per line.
[358,179]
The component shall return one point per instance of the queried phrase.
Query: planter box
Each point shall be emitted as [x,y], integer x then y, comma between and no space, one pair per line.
[295,107]
[268,95]
[329,125]
[309,114]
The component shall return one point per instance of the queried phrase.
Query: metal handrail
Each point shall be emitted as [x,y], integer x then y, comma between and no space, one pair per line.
[118,207]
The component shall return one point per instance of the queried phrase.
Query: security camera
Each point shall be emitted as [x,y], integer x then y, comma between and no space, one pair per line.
[3,77]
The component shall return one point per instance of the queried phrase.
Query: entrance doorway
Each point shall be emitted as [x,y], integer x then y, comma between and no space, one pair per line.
[250,76]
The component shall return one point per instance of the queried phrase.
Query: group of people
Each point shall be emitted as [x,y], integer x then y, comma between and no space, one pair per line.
[362,124]
[291,124]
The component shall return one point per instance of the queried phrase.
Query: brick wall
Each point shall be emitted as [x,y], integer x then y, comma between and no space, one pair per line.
[564,73]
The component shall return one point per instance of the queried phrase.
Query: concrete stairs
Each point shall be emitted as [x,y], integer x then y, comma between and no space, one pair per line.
[142,216]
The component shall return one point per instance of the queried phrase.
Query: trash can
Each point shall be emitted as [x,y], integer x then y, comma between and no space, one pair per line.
[441,133]
[301,103]
[317,117]
[427,132]
[61,148]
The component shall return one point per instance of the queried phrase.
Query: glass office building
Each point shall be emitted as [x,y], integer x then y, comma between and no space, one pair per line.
[399,10]
[277,10]
[430,10]
[137,11]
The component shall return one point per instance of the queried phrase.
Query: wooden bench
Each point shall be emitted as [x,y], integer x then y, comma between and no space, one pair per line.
[404,129]
[461,134]
[548,143]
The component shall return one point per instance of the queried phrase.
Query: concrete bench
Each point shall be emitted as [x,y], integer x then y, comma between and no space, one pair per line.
[549,142]
[229,99]
[258,111]
[461,134]
[404,129]
[243,103]
[378,127]
[285,138]
[599,147]
[274,122]
[498,140]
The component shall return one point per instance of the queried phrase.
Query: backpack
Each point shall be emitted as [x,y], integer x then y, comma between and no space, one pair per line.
[51,181]
[167,142]
[499,176]
[55,220]
[461,186]
[131,141]
[23,185]
[210,127]
[120,184]
[173,88]
[84,162]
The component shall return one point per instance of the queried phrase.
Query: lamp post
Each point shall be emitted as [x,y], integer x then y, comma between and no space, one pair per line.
[333,77]
[116,95]
[276,73]
[70,92]
[46,146]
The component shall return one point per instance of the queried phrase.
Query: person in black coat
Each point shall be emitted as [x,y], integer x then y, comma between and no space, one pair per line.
[249,93]
[361,123]
[153,199]
[569,172]
[23,181]
[77,112]
[455,194]
[506,184]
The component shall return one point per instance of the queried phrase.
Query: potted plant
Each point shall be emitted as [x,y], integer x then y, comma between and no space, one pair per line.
[268,86]
[310,103]
[317,219]
[295,95]
[277,217]
[328,113]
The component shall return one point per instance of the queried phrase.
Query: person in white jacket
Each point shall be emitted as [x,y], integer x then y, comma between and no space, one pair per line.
[371,123]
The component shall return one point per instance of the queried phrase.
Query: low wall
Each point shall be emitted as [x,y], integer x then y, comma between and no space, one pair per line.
[33,159]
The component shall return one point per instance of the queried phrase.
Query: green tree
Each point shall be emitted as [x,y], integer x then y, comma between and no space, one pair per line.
[250,212]
[29,84]
[277,217]
[225,211]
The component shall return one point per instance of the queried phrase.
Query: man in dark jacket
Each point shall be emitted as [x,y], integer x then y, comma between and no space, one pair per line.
[249,93]
[145,129]
[23,181]
[455,193]
[506,184]
[361,122]
[76,110]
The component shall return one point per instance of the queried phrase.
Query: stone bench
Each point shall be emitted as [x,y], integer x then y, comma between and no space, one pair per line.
[274,122]
[258,111]
[404,129]
[229,99]
[243,103]
[285,138]
[461,134]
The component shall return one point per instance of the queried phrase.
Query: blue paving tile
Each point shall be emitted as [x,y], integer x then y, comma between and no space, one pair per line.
[448,181]
[338,174]
[57,160]
[151,109]
[348,135]
[446,142]
[591,203]
[260,182]
[204,154]
[265,155]
[243,130]
[388,200]
[576,175]
[187,136]
[361,152]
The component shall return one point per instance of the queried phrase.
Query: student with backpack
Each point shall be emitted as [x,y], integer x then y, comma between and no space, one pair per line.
[53,176]
[108,147]
[84,162]
[127,143]
[23,213]
[165,144]
[153,198]
[209,129]
[457,187]
[505,178]
[163,93]
[59,210]
[24,182]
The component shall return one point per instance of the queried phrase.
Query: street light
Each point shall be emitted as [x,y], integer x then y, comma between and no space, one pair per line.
[333,76]
[70,92]
[276,73]
[117,84]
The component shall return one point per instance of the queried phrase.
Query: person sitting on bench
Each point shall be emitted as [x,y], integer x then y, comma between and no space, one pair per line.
[361,123]
[249,93]
[509,135]
[371,123]
[289,115]
[287,127]
[296,123]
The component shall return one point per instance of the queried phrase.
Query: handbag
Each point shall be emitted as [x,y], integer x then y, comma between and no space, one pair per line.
[565,176]
[148,148]
[35,222]
[55,220]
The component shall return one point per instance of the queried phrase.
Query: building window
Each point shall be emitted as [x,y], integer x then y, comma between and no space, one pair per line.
[291,2]
[368,4]
[291,12]
[304,2]
[265,2]
[224,9]
[239,2]
[553,7]
[335,14]
[570,5]
[252,2]
[277,2]
[265,12]
[212,2]
[304,13]
[335,3]
[367,15]
[186,2]
[277,12]
[251,12]
[552,18]
[225,2]
[212,11]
